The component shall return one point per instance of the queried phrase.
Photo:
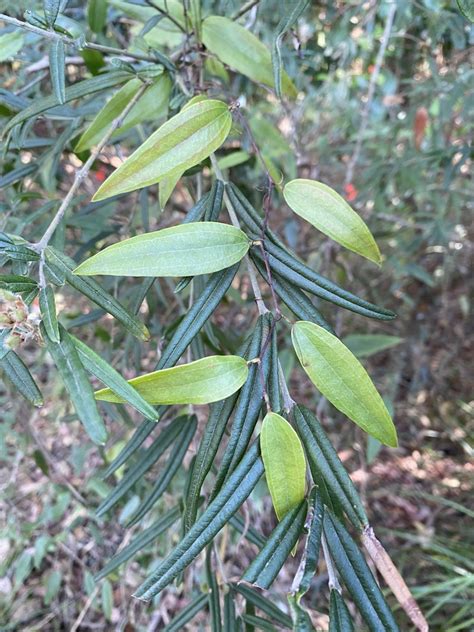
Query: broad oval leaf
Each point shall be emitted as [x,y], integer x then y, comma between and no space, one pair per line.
[201,382]
[180,143]
[327,211]
[238,48]
[342,379]
[285,465]
[184,250]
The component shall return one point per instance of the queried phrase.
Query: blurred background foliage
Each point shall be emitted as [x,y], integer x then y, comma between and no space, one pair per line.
[399,148]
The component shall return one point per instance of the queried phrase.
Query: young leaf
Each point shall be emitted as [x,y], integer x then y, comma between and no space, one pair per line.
[184,250]
[201,382]
[180,143]
[17,372]
[266,566]
[295,9]
[218,513]
[327,211]
[285,465]
[238,48]
[75,380]
[47,306]
[340,377]
[97,366]
[57,69]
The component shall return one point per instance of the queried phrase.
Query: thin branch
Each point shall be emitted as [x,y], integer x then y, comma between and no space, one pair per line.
[370,93]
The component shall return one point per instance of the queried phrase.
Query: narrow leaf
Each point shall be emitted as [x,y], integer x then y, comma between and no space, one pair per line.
[187,614]
[214,601]
[285,465]
[57,69]
[340,619]
[15,370]
[327,211]
[51,10]
[16,283]
[47,306]
[182,142]
[184,250]
[97,15]
[75,380]
[313,542]
[266,566]
[265,605]
[293,10]
[340,377]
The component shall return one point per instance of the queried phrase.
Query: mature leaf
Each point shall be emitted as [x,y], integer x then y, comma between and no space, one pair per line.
[151,106]
[340,619]
[186,614]
[230,617]
[17,372]
[293,10]
[18,174]
[182,142]
[10,44]
[301,619]
[201,382]
[313,542]
[97,366]
[57,68]
[266,566]
[325,209]
[285,465]
[183,250]
[365,345]
[47,305]
[357,576]
[75,380]
[340,377]
[324,461]
[214,600]
[97,15]
[62,265]
[107,599]
[262,603]
[17,283]
[51,10]
[218,513]
[241,50]
[254,622]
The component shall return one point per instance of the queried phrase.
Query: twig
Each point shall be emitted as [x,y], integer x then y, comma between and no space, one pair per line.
[370,93]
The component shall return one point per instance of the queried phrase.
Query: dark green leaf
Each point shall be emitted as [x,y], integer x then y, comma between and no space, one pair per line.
[265,605]
[258,623]
[16,371]
[16,283]
[186,614]
[15,175]
[340,619]
[47,306]
[57,68]
[214,602]
[313,542]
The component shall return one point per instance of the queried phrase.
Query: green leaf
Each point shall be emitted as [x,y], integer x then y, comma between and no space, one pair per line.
[15,370]
[357,576]
[97,366]
[201,382]
[241,50]
[327,211]
[214,600]
[340,619]
[78,386]
[10,44]
[97,15]
[365,345]
[187,613]
[47,306]
[217,514]
[285,465]
[107,599]
[51,10]
[313,542]
[57,68]
[293,10]
[180,143]
[16,283]
[151,105]
[265,605]
[467,9]
[63,267]
[184,250]
[341,378]
[266,566]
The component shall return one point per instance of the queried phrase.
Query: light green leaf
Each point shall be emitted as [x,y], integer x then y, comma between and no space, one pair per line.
[201,382]
[365,345]
[184,250]
[241,50]
[97,15]
[10,44]
[467,9]
[53,584]
[152,105]
[180,143]
[327,211]
[285,465]
[107,598]
[57,68]
[342,379]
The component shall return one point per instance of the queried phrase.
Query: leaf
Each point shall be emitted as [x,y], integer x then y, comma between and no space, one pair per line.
[293,12]
[357,576]
[217,514]
[97,15]
[151,106]
[340,619]
[16,283]
[180,143]
[200,382]
[365,345]
[88,287]
[17,372]
[213,590]
[467,9]
[313,543]
[97,366]
[285,465]
[266,566]
[265,605]
[183,250]
[51,10]
[78,386]
[187,613]
[107,599]
[340,377]
[10,44]
[241,50]
[57,67]
[47,306]
[327,211]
